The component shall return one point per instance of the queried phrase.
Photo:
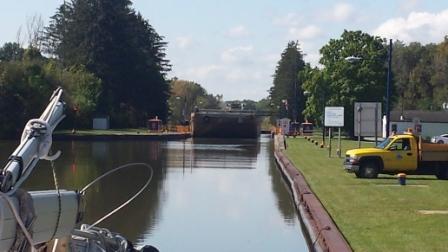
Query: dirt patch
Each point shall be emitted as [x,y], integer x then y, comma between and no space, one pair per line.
[432,212]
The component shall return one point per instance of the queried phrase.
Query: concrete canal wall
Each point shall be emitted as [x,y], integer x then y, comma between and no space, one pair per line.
[323,234]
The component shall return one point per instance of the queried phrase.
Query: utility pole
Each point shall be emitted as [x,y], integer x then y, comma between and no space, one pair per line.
[323,119]
[389,79]
[294,112]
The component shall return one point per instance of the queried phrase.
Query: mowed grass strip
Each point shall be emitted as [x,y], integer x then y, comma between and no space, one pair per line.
[375,214]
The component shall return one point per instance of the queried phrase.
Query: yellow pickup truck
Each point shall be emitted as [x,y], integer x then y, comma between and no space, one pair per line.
[399,153]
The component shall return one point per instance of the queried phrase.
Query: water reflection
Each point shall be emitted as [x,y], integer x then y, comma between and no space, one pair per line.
[84,161]
[212,153]
[206,194]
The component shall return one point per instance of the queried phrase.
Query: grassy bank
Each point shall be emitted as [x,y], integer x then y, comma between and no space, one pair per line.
[375,214]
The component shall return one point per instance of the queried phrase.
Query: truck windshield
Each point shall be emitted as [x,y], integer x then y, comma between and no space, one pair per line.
[384,143]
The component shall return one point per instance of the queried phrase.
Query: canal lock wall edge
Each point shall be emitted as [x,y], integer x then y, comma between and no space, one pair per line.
[322,232]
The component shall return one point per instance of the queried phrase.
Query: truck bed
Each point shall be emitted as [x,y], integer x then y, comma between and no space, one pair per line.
[433,152]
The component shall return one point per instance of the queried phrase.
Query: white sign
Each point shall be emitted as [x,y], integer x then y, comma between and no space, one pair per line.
[334,116]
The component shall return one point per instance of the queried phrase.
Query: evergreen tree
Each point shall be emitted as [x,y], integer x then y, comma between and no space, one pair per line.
[286,94]
[122,49]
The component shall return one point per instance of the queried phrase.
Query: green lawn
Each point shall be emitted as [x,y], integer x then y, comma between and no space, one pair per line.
[375,214]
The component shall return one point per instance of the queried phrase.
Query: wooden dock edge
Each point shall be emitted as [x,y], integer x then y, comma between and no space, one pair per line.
[323,234]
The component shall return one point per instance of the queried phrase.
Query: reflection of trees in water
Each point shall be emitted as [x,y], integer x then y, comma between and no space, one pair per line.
[74,168]
[225,153]
[82,162]
[283,196]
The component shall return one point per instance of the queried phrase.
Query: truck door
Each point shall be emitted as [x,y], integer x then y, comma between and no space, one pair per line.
[401,156]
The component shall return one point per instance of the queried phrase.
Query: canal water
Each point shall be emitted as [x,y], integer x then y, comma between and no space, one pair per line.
[205,195]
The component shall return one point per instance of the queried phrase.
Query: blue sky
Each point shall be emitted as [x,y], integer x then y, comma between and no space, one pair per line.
[231,47]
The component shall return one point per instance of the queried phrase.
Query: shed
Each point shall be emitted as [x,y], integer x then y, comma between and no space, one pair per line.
[306,129]
[155,124]
[101,123]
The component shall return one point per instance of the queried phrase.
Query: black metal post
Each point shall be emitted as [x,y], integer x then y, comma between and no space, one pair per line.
[389,79]
[329,142]
[359,109]
[323,119]
[295,112]
[376,124]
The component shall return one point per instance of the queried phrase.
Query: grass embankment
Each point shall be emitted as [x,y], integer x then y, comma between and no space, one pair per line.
[375,214]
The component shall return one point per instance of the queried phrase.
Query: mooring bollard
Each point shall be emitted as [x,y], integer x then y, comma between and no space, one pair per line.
[401,178]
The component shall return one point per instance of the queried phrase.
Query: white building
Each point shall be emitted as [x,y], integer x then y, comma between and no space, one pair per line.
[425,123]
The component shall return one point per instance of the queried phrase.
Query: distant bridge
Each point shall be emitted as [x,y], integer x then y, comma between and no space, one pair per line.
[259,113]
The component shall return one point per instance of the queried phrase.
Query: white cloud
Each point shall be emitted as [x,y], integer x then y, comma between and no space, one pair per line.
[236,75]
[342,11]
[304,33]
[183,42]
[202,72]
[290,19]
[417,26]
[237,31]
[236,53]
[409,5]
[239,74]
[312,58]
[271,58]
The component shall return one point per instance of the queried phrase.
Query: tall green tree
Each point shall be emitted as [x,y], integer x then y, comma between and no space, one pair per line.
[360,81]
[420,89]
[439,79]
[317,89]
[404,61]
[116,44]
[286,94]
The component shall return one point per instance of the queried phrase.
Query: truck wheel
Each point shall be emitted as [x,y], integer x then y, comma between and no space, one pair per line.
[368,170]
[442,173]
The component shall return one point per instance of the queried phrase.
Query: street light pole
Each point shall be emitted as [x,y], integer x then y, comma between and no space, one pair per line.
[323,118]
[389,78]
[295,112]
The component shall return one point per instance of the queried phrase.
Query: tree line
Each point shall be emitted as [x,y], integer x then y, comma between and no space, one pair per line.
[420,75]
[353,68]
[27,80]
[106,56]
[188,96]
